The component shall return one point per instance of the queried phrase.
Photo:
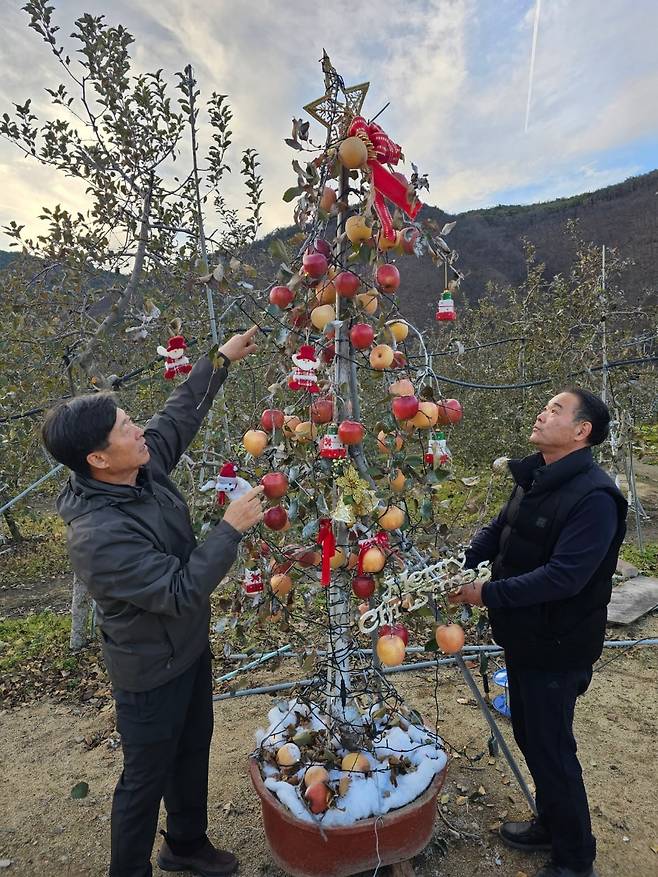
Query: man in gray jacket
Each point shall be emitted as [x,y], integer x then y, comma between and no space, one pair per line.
[131,543]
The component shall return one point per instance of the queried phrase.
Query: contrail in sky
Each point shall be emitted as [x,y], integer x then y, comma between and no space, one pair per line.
[532,63]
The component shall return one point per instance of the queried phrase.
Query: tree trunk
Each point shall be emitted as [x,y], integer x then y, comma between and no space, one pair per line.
[86,360]
[13,526]
[80,603]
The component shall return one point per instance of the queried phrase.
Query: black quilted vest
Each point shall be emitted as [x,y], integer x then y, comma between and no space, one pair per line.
[562,634]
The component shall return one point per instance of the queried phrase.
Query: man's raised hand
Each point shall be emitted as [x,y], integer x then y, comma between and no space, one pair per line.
[246,511]
[240,345]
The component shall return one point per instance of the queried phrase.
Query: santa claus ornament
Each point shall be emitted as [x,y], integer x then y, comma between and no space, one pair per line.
[331,447]
[253,581]
[303,376]
[176,362]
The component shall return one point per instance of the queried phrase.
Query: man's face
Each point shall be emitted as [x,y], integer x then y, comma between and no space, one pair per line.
[126,450]
[557,428]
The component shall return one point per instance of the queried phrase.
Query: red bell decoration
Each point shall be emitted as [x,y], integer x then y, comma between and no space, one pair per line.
[382,150]
[253,581]
[303,376]
[176,362]
[446,308]
[327,541]
[331,447]
[438,453]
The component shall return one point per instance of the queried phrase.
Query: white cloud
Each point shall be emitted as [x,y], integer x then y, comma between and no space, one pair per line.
[455,72]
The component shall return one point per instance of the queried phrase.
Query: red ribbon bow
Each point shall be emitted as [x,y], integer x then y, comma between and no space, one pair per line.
[379,541]
[384,182]
[327,540]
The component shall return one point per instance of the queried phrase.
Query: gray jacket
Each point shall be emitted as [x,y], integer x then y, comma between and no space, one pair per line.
[134,549]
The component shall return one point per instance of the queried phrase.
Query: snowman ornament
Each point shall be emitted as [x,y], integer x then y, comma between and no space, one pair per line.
[228,484]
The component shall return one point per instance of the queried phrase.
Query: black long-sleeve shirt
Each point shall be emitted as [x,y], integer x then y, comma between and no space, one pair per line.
[583,542]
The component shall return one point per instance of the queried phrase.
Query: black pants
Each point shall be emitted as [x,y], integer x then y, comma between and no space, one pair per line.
[542,706]
[165,734]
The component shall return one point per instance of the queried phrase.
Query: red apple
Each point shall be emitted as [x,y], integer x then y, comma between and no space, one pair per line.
[315,265]
[351,432]
[275,484]
[450,411]
[320,245]
[272,418]
[322,411]
[404,407]
[363,586]
[281,296]
[276,518]
[408,238]
[388,277]
[318,796]
[328,353]
[346,284]
[399,359]
[361,335]
[395,630]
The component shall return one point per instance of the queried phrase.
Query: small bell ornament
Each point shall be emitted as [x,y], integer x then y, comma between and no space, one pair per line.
[446,308]
[303,376]
[176,362]
[438,453]
[331,447]
[253,581]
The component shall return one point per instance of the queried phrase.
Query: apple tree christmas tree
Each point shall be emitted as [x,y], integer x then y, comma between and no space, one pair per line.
[351,441]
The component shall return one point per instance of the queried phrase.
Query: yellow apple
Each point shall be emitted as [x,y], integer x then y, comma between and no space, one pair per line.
[381,357]
[322,315]
[368,301]
[254,441]
[398,329]
[391,518]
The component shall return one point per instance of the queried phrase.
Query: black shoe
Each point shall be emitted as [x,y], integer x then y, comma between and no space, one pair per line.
[530,836]
[206,862]
[552,870]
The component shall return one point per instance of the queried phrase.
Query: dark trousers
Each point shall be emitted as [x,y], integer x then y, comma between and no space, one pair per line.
[542,706]
[165,734]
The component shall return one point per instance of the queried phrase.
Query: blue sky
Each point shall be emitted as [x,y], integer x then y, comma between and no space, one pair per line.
[455,72]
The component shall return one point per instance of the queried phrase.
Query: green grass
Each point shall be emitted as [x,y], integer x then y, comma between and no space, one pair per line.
[42,555]
[42,636]
[646,561]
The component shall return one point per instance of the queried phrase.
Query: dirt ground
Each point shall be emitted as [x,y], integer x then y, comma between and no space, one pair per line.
[44,750]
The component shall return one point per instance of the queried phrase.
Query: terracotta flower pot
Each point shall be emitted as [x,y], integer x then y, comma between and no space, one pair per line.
[303,849]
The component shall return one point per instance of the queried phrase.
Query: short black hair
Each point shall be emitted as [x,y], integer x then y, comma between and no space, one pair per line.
[75,428]
[594,410]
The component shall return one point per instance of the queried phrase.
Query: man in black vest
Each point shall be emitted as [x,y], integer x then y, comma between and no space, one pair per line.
[554,548]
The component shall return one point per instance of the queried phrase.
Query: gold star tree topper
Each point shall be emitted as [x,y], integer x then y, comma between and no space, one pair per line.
[331,111]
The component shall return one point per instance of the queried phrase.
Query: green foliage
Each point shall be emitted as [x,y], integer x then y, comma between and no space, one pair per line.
[646,560]
[646,439]
[42,555]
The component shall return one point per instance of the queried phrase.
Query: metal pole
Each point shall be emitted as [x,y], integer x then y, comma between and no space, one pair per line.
[490,650]
[32,487]
[495,730]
